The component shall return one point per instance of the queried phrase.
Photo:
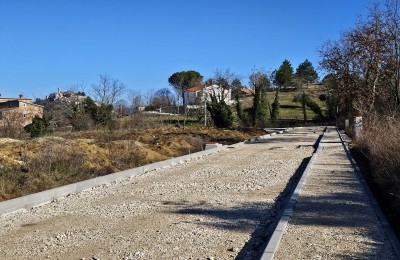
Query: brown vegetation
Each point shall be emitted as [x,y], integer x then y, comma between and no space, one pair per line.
[380,145]
[28,166]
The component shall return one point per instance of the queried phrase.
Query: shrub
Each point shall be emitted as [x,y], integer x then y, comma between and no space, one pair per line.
[38,127]
[82,122]
[315,108]
[220,112]
[306,101]
[323,97]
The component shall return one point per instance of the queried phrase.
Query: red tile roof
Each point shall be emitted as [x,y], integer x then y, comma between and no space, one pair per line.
[194,89]
[247,91]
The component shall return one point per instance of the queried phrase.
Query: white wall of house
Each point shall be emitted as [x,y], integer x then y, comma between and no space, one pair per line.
[197,97]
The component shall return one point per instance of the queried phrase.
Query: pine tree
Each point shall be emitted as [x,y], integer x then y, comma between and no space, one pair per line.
[220,112]
[305,72]
[284,75]
[260,84]
[275,107]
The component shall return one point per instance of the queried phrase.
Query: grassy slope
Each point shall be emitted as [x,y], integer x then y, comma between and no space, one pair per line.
[290,109]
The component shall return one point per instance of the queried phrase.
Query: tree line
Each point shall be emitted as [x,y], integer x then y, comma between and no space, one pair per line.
[261,112]
[364,65]
[107,101]
[364,80]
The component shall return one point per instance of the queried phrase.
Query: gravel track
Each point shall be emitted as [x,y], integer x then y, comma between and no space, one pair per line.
[333,218]
[210,208]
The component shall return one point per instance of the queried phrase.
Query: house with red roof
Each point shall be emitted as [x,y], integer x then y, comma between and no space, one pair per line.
[246,92]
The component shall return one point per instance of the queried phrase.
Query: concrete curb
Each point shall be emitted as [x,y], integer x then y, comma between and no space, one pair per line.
[47,196]
[276,131]
[381,217]
[276,237]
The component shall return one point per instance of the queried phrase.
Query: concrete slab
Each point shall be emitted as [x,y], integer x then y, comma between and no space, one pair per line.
[277,235]
[334,216]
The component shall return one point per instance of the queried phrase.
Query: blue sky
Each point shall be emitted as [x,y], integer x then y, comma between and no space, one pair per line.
[49,44]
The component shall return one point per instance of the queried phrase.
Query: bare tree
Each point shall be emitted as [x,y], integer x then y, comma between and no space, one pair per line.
[137,119]
[149,96]
[162,98]
[135,100]
[79,86]
[224,80]
[11,126]
[121,108]
[108,89]
[392,24]
[365,63]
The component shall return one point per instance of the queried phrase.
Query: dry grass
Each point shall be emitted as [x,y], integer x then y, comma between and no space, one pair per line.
[28,166]
[54,165]
[380,140]
[380,143]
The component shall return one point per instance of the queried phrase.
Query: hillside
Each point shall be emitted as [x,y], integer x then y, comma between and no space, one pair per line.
[293,110]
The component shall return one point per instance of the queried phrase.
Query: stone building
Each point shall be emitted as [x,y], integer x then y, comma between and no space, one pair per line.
[18,111]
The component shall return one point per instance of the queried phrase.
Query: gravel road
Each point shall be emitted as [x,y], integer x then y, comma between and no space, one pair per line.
[216,207]
[333,218]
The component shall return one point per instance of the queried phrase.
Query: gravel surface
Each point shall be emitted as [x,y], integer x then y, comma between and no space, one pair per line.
[217,207]
[333,218]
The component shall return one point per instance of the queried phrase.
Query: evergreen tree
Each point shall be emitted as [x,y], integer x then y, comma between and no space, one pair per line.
[184,80]
[100,114]
[284,75]
[239,108]
[259,83]
[306,73]
[332,100]
[275,107]
[302,99]
[220,112]
[236,86]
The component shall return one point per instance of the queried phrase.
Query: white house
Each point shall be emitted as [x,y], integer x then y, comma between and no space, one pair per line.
[196,96]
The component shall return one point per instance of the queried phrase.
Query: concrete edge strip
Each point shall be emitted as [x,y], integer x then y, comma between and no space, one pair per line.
[277,235]
[377,209]
[258,138]
[47,196]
